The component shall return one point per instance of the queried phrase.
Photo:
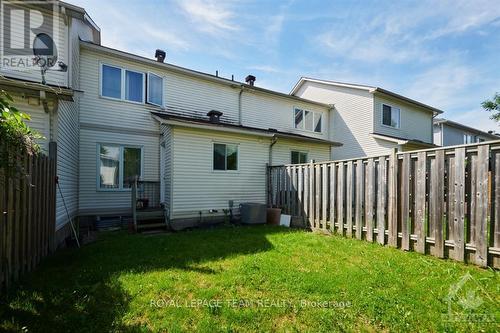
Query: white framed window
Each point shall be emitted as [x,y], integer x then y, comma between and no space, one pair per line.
[225,157]
[468,138]
[122,84]
[155,89]
[308,120]
[391,116]
[118,165]
[298,157]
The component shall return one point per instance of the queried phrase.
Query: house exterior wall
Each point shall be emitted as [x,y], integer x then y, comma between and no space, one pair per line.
[415,122]
[352,119]
[166,141]
[437,134]
[282,151]
[197,187]
[455,136]
[61,38]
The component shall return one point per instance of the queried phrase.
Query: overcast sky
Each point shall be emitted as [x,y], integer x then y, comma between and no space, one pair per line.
[442,53]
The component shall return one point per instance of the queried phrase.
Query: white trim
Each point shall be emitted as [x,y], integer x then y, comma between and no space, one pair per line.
[315,113]
[226,143]
[382,115]
[162,89]
[386,138]
[121,147]
[123,76]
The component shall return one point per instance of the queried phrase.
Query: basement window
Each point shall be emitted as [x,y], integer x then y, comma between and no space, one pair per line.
[298,157]
[118,166]
[391,116]
[308,120]
[225,157]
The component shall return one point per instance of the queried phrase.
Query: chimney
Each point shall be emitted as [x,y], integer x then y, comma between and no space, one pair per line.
[160,55]
[250,80]
[214,116]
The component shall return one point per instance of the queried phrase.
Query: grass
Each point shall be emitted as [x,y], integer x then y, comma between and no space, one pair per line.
[265,278]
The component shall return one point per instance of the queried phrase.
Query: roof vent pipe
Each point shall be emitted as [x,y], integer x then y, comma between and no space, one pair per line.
[250,80]
[214,116]
[160,55]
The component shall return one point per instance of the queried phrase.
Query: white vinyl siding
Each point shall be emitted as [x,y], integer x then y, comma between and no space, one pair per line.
[416,123]
[196,187]
[91,199]
[53,77]
[167,142]
[283,148]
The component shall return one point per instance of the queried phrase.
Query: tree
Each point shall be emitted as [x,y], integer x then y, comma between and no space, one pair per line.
[17,139]
[493,106]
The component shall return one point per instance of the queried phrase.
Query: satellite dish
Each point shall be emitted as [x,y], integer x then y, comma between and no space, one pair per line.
[45,52]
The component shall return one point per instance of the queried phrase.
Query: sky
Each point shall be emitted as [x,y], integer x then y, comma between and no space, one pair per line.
[442,53]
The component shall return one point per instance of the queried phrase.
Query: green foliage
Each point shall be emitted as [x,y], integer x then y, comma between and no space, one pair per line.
[493,106]
[17,138]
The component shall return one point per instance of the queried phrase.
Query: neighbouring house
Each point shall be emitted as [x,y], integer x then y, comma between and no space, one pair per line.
[53,107]
[370,120]
[450,133]
[206,140]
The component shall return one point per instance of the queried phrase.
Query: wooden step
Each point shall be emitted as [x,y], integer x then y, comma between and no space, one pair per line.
[151,226]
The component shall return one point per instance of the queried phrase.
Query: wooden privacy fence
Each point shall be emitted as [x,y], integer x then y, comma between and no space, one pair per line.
[27,221]
[443,201]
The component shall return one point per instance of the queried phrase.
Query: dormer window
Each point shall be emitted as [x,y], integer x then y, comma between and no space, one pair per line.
[391,116]
[308,120]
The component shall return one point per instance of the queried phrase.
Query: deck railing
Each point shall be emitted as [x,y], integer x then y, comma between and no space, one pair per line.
[443,201]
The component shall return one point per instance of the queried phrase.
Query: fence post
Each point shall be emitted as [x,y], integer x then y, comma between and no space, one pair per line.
[405,202]
[459,205]
[382,199]
[481,216]
[393,199]
[349,197]
[420,212]
[333,193]
[359,199]
[369,198]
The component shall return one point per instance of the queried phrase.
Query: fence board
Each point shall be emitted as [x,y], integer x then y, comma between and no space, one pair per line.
[359,198]
[444,198]
[381,199]
[317,199]
[340,199]
[349,197]
[369,198]
[393,200]
[420,213]
[481,256]
[333,182]
[459,205]
[405,202]
[438,203]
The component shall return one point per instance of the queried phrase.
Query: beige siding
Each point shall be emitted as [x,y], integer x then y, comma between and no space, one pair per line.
[197,187]
[352,119]
[282,151]
[40,120]
[61,38]
[92,199]
[67,160]
[416,123]
[166,140]
[264,111]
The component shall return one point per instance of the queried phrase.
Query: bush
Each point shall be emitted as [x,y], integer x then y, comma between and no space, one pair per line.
[17,139]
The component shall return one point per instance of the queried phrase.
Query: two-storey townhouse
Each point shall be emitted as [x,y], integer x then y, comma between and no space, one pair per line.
[53,106]
[370,120]
[206,139]
[450,133]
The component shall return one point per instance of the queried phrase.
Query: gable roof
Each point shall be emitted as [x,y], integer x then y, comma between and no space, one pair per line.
[370,89]
[439,121]
[191,72]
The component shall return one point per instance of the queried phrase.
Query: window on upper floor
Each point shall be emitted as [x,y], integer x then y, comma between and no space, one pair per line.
[469,138]
[155,89]
[298,157]
[225,156]
[391,116]
[308,120]
[118,166]
[129,85]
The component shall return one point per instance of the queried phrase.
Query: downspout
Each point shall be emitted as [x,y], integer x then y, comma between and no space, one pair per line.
[239,106]
[273,142]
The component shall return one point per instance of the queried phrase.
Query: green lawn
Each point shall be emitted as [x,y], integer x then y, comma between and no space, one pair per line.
[263,278]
